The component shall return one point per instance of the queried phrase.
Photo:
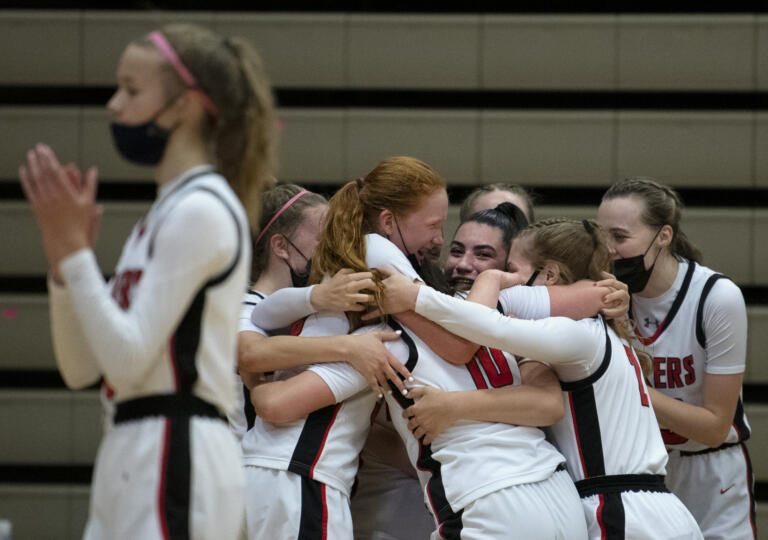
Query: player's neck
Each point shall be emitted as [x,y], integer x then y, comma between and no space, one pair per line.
[184,151]
[663,276]
[275,277]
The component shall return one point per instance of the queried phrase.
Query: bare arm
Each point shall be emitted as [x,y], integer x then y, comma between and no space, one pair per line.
[365,352]
[588,298]
[537,402]
[708,424]
[290,400]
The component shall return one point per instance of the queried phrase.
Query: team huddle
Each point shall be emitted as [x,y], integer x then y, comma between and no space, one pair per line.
[556,378]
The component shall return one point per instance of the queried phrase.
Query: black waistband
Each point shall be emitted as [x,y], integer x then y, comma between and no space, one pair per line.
[709,450]
[617,483]
[171,405]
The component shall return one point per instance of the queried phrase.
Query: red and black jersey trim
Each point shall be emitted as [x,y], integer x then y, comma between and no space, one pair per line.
[586,422]
[173,494]
[313,523]
[610,510]
[175,484]
[700,336]
[450,524]
[312,440]
[672,310]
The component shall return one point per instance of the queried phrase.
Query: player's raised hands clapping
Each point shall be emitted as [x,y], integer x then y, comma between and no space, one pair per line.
[63,202]
[343,292]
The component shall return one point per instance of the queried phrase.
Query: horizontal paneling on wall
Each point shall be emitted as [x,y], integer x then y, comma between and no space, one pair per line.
[646,52]
[733,240]
[704,149]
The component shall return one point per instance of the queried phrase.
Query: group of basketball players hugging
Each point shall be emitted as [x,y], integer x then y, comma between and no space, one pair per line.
[560,378]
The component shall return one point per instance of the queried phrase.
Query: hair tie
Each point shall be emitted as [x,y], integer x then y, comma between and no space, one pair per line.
[181,70]
[587,226]
[360,181]
[277,214]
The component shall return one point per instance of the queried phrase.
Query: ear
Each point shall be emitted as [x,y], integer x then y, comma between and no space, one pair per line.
[278,246]
[551,273]
[666,234]
[387,223]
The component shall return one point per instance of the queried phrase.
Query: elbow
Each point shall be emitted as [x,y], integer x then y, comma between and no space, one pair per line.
[270,408]
[552,410]
[78,383]
[717,436]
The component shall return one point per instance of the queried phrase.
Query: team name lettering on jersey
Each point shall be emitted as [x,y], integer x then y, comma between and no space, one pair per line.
[122,285]
[673,372]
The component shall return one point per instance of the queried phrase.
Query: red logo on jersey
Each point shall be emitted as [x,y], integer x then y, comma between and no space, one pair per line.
[670,437]
[671,372]
[722,491]
[494,364]
[122,285]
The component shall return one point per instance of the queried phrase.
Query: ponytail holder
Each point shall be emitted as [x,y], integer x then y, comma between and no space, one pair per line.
[360,181]
[587,226]
[277,214]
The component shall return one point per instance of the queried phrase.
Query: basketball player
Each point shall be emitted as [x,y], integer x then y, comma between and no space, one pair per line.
[694,321]
[609,434]
[162,332]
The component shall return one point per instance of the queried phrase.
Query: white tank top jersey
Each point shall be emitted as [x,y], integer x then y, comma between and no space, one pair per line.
[242,417]
[325,445]
[471,459]
[169,325]
[702,330]
[609,427]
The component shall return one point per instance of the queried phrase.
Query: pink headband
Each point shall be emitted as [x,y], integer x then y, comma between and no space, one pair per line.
[170,55]
[277,215]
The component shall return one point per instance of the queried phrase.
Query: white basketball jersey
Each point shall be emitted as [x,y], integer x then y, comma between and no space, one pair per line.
[471,459]
[242,417]
[326,444]
[609,426]
[199,357]
[680,358]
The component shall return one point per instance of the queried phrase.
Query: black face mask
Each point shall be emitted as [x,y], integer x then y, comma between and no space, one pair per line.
[143,144]
[299,279]
[531,279]
[632,271]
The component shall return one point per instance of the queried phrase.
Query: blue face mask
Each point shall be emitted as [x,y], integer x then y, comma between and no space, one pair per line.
[143,143]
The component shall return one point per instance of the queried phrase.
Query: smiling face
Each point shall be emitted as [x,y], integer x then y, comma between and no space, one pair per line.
[627,235]
[475,248]
[140,93]
[422,230]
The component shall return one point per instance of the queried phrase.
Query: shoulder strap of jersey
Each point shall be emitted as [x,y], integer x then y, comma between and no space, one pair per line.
[700,337]
[587,381]
[228,270]
[413,357]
